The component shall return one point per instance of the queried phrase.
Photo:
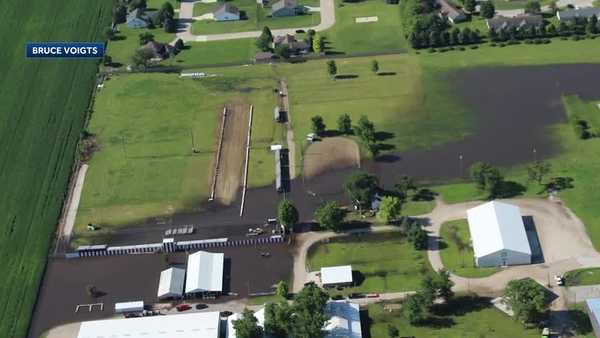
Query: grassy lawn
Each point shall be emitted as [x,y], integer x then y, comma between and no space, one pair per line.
[463,317]
[455,234]
[387,262]
[256,18]
[589,276]
[415,208]
[589,111]
[43,111]
[145,167]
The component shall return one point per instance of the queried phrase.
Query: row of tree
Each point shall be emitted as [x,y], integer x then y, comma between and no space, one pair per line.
[441,38]
[417,307]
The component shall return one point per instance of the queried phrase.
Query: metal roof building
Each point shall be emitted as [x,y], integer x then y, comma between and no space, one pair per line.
[498,235]
[204,272]
[171,283]
[344,320]
[592,306]
[193,325]
[336,275]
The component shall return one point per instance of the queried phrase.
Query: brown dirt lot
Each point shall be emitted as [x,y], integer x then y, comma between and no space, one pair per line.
[330,154]
[230,169]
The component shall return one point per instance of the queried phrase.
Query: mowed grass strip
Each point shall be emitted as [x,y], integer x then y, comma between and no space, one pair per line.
[387,262]
[457,252]
[43,107]
[589,276]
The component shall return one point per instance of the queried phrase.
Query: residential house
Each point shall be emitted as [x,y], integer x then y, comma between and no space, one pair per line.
[520,22]
[295,46]
[159,50]
[226,12]
[138,18]
[450,12]
[578,14]
[286,8]
[263,57]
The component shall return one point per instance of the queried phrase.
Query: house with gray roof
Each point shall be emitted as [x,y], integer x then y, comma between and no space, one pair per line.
[286,8]
[295,46]
[137,18]
[159,50]
[520,22]
[226,12]
[450,12]
[578,14]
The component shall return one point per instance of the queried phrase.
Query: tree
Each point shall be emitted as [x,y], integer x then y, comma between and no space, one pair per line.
[533,7]
[527,298]
[141,58]
[418,237]
[538,170]
[317,124]
[168,10]
[344,124]
[247,326]
[170,25]
[389,209]
[137,4]
[375,67]
[109,33]
[366,130]
[318,43]
[179,45]
[309,312]
[283,51]
[92,291]
[487,9]
[403,186]
[444,284]
[330,216]
[263,42]
[282,289]
[361,188]
[470,5]
[331,68]
[287,213]
[107,60]
[119,14]
[416,308]
[146,37]
[393,331]
[278,319]
[592,25]
[486,177]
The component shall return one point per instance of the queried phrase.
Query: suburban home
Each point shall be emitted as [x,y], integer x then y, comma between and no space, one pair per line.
[160,51]
[263,57]
[295,46]
[578,14]
[498,235]
[137,18]
[450,12]
[226,12]
[519,22]
[286,8]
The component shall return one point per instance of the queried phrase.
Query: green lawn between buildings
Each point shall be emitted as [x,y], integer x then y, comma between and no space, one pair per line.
[257,17]
[588,276]
[462,317]
[387,262]
[455,234]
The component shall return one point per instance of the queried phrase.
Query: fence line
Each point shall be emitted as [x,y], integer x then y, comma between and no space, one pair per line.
[245,185]
[218,160]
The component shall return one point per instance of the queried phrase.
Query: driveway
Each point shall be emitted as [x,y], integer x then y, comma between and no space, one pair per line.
[186,18]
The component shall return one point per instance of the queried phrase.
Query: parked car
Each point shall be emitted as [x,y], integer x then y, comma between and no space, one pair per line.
[183,307]
[201,306]
[560,280]
[225,313]
[355,295]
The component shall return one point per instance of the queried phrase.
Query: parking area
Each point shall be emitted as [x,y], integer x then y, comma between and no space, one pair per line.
[135,277]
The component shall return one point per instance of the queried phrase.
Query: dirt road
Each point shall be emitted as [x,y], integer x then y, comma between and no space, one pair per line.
[285,105]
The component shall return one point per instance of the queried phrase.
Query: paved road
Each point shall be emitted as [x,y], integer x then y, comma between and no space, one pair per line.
[289,134]
[186,18]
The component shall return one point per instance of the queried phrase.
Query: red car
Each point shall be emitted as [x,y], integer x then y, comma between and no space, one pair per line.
[183,307]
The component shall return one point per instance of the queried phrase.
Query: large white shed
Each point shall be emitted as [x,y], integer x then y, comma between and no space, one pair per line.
[336,275]
[204,272]
[171,283]
[498,235]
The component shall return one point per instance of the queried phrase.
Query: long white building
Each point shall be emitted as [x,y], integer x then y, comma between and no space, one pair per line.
[498,235]
[204,272]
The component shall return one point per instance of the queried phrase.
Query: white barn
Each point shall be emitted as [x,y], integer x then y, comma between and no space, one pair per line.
[204,272]
[170,284]
[498,235]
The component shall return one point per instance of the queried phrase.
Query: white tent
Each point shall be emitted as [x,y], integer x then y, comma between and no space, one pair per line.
[192,325]
[204,272]
[344,320]
[336,275]
[171,283]
[498,235]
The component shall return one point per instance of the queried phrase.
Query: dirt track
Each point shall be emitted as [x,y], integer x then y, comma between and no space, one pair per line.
[330,154]
[232,155]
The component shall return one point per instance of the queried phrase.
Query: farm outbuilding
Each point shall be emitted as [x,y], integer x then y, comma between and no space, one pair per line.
[498,235]
[336,275]
[204,273]
[171,283]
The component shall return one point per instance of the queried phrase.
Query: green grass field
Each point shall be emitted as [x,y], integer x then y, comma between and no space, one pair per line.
[589,276]
[144,124]
[43,105]
[388,262]
[256,18]
[463,317]
[455,235]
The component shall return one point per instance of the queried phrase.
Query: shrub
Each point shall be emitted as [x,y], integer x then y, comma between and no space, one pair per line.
[462,49]
[432,50]
[493,44]
[474,47]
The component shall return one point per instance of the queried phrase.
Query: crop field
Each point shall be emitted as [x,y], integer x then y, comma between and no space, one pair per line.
[147,125]
[42,111]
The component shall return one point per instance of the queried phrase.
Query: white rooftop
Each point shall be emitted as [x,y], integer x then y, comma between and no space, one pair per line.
[336,274]
[137,305]
[193,325]
[204,272]
[497,226]
[344,320]
[171,283]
